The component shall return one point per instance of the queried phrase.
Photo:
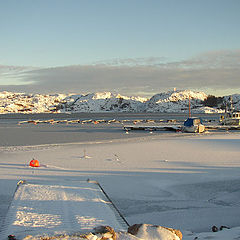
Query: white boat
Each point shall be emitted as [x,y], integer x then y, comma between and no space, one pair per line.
[193,125]
[231,118]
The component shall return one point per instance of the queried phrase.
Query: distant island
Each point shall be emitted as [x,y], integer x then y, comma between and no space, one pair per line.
[172,102]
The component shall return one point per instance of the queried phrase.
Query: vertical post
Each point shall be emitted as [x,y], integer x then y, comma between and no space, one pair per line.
[189,106]
[231,103]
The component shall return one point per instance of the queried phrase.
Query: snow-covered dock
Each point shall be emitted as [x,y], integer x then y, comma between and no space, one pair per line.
[58,209]
[174,128]
[177,128]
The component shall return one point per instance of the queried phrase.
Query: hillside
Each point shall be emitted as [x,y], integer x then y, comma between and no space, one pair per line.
[171,101]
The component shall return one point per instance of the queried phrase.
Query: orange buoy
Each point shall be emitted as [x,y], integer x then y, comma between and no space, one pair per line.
[34,163]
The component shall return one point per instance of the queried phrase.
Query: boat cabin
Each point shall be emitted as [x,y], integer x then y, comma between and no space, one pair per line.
[236,114]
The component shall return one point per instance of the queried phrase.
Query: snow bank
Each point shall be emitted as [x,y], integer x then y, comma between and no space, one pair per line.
[225,234]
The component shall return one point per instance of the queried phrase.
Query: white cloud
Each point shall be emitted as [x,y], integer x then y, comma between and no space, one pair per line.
[214,60]
[151,61]
[212,70]
[13,74]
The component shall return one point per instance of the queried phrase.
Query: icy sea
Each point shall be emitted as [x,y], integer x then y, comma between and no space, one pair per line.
[184,181]
[14,134]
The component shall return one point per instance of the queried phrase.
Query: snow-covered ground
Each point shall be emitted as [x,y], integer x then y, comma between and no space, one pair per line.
[182,181]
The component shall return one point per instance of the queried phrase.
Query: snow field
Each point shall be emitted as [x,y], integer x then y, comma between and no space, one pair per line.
[188,182]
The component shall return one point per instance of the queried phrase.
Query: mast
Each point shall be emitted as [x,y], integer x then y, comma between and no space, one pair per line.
[231,103]
[189,106]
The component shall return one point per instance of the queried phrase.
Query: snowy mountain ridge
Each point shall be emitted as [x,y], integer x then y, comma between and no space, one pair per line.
[171,101]
[175,101]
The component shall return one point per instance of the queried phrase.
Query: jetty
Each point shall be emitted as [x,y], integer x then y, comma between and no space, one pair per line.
[37,209]
[178,128]
[152,128]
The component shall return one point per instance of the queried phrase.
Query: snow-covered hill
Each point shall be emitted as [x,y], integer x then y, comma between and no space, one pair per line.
[175,101]
[172,101]
[28,103]
[102,102]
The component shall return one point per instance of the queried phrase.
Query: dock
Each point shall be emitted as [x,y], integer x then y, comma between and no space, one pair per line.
[178,128]
[38,209]
[175,128]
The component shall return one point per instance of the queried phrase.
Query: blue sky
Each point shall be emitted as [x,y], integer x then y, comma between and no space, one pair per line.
[49,34]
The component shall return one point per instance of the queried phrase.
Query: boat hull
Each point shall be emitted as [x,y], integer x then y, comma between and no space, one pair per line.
[194,129]
[235,122]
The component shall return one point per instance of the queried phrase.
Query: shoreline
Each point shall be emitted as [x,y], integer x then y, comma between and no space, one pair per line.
[158,135]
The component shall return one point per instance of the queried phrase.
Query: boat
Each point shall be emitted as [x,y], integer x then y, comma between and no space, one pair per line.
[231,116]
[193,125]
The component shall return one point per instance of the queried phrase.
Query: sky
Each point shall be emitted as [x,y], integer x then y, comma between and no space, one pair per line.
[134,47]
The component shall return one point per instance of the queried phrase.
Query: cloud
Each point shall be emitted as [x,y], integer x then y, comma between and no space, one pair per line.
[212,70]
[13,74]
[213,60]
[151,61]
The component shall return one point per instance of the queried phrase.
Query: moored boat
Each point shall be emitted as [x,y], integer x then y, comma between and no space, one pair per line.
[230,118]
[193,125]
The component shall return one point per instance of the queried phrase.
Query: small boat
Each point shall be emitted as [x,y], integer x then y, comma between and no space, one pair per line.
[230,118]
[193,125]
